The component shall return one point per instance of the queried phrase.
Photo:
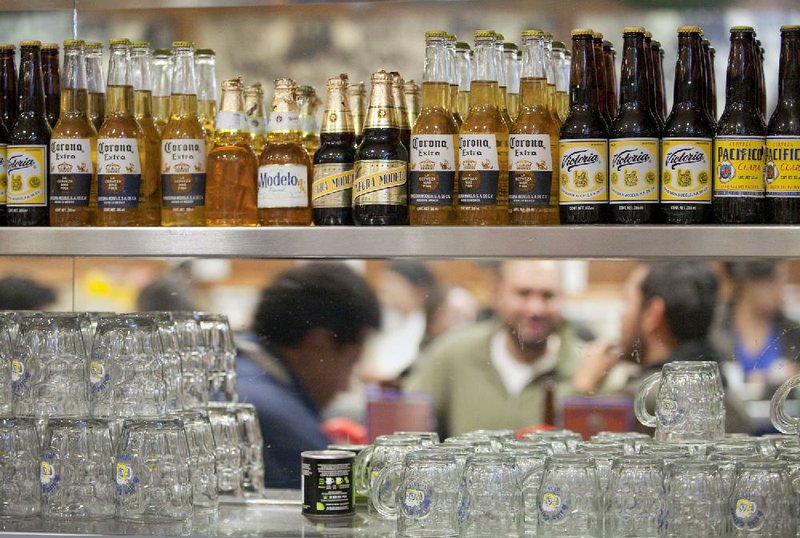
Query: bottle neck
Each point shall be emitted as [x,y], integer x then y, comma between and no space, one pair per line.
[184,81]
[380,114]
[633,86]
[143,103]
[119,100]
[789,71]
[74,93]
[437,67]
[533,85]
[436,95]
[484,68]
[583,75]
[140,71]
[400,106]
[96,83]
[740,88]
[50,72]
[31,85]
[337,117]
[688,71]
[162,77]
[206,80]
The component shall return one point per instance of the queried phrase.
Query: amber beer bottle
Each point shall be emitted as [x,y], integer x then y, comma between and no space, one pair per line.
[28,147]
[432,170]
[357,96]
[583,146]
[308,103]
[254,110]
[73,146]
[231,180]
[400,109]
[658,64]
[612,100]
[52,83]
[712,83]
[652,82]
[380,195]
[686,147]
[96,83]
[740,139]
[162,87]
[601,93]
[634,145]
[206,66]
[284,168]
[9,102]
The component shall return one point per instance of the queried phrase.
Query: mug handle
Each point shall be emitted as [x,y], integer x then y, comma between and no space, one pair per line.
[639,404]
[782,421]
[361,471]
[378,483]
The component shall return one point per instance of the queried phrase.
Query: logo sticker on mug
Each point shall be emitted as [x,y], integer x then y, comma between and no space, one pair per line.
[98,378]
[48,477]
[748,513]
[417,499]
[123,474]
[552,507]
[19,374]
[669,411]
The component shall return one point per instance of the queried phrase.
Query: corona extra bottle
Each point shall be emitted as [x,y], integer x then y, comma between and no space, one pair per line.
[510,57]
[96,81]
[452,70]
[150,200]
[73,146]
[502,80]
[254,110]
[549,66]
[400,108]
[162,87]
[205,64]
[52,83]
[464,75]
[308,103]
[9,103]
[357,95]
[561,72]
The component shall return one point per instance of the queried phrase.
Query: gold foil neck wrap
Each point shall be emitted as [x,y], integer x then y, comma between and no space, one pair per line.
[337,117]
[381,112]
[399,100]
[285,97]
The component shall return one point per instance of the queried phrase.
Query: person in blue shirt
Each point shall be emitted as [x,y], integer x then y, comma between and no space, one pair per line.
[308,333]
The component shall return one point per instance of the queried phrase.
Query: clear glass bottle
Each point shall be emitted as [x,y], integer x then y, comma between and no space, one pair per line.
[464,75]
[205,64]
[510,57]
[502,81]
[357,96]
[452,70]
[551,76]
[561,72]
[308,103]
[96,81]
[141,78]
[411,95]
[162,87]
[254,110]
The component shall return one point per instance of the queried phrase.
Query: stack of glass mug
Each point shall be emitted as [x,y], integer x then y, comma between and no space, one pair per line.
[690,480]
[132,416]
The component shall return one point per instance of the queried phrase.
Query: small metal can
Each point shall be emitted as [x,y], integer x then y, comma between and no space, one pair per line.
[327,484]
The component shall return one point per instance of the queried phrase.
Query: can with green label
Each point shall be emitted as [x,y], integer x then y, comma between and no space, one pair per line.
[328,483]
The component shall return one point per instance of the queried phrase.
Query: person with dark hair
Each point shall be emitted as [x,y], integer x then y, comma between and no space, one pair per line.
[20,293]
[309,330]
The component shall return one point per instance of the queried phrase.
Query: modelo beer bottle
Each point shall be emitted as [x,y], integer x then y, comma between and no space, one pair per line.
[634,145]
[356,96]
[96,83]
[332,189]
[686,146]
[400,109]
[583,144]
[740,139]
[254,110]
[29,145]
[150,200]
[380,196]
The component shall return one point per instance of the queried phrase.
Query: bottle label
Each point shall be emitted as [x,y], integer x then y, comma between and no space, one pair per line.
[70,171]
[183,172]
[308,124]
[432,170]
[530,170]
[283,121]
[3,175]
[686,170]
[282,185]
[783,166]
[583,169]
[479,169]
[379,182]
[27,175]
[633,165]
[332,186]
[231,121]
[119,173]
[739,166]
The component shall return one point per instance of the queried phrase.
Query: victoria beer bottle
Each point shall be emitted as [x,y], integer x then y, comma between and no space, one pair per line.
[583,146]
[332,189]
[739,145]
[8,114]
[96,83]
[612,98]
[658,64]
[601,93]
[52,82]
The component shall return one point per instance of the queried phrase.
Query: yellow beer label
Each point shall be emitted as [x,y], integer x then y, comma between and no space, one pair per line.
[633,170]
[27,176]
[739,162]
[332,186]
[686,170]
[783,166]
[3,176]
[582,172]
[380,182]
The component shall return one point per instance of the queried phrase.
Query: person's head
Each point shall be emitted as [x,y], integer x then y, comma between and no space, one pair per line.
[758,283]
[666,304]
[19,293]
[405,285]
[317,316]
[447,307]
[528,298]
[168,292]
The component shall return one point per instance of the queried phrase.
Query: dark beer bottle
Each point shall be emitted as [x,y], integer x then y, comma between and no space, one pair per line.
[612,97]
[4,138]
[706,61]
[661,96]
[52,83]
[583,146]
[686,157]
[634,146]
[9,102]
[762,90]
[379,184]
[601,93]
[710,81]
[783,136]
[400,109]
[28,147]
[651,77]
[739,143]
[332,189]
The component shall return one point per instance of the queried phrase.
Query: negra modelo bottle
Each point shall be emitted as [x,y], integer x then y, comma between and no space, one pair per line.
[739,144]
[633,148]
[379,186]
[332,189]
[686,157]
[583,146]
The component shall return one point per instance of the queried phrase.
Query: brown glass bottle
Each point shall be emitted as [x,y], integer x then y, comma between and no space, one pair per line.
[357,97]
[652,81]
[380,196]
[400,109]
[660,87]
[601,93]
[332,189]
[52,82]
[9,103]
[96,82]
[706,84]
[760,83]
[740,138]
[28,168]
[150,199]
[686,146]
[712,53]
[583,144]
[4,138]
[612,97]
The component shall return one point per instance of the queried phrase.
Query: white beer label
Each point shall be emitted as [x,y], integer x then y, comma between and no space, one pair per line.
[432,170]
[71,156]
[118,156]
[283,121]
[282,185]
[686,170]
[634,165]
[231,121]
[530,170]
[478,152]
[183,156]
[582,174]
[27,175]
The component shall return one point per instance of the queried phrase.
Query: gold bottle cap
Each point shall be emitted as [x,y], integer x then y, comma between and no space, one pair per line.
[582,32]
[8,46]
[285,83]
[460,45]
[706,43]
[50,46]
[140,45]
[357,88]
[73,43]
[559,45]
[439,34]
[162,52]
[790,28]
[205,52]
[499,36]
[339,81]
[656,44]
[634,30]
[30,44]
[533,33]
[409,86]
[548,35]
[597,36]
[648,34]
[93,45]
[452,38]
[254,89]
[119,41]
[608,44]
[234,83]
[483,34]
[735,29]
[182,44]
[689,30]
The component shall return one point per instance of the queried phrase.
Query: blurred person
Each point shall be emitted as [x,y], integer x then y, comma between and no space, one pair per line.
[20,293]
[167,293]
[308,333]
[497,373]
[447,307]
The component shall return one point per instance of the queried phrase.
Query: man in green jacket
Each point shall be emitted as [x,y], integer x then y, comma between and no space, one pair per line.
[496,374]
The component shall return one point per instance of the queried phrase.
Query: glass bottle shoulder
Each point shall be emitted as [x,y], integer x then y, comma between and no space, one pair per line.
[687,120]
[30,128]
[584,122]
[785,120]
[284,153]
[741,120]
[635,122]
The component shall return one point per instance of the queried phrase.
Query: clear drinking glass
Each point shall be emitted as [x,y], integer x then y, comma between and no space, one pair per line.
[782,421]
[633,500]
[694,500]
[170,358]
[762,501]
[490,498]
[386,449]
[570,500]
[202,459]
[6,351]
[217,341]
[19,468]
[252,448]
[194,370]
[228,452]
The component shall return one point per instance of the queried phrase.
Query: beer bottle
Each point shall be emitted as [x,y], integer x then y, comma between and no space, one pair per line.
[706,86]
[561,73]
[380,195]
[512,74]
[464,75]
[601,93]
[502,81]
[205,64]
[9,102]
[658,64]
[740,139]
[28,145]
[612,101]
[686,147]
[583,146]
[783,136]
[411,95]
[4,139]
[452,70]
[483,144]
[549,67]
[652,83]
[73,146]
[150,151]
[162,87]
[183,147]
[254,110]
[712,52]
[357,95]
[433,143]
[308,103]
[400,109]
[120,145]
[52,83]
[762,90]
[332,189]
[533,142]
[633,148]
[231,180]
[96,82]
[284,168]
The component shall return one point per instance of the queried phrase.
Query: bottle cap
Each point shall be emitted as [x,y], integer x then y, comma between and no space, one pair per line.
[483,34]
[548,35]
[656,44]
[73,43]
[581,32]
[736,29]
[340,81]
[381,76]
[50,46]
[460,45]
[120,41]
[451,38]
[140,45]
[597,36]
[533,33]
[500,37]
[93,45]
[182,44]
[559,45]
[689,30]
[204,52]
[790,28]
[509,46]
[30,44]
[608,44]
[233,84]
[648,34]
[440,34]
[162,52]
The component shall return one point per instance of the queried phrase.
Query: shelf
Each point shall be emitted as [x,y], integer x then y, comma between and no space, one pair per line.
[645,242]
